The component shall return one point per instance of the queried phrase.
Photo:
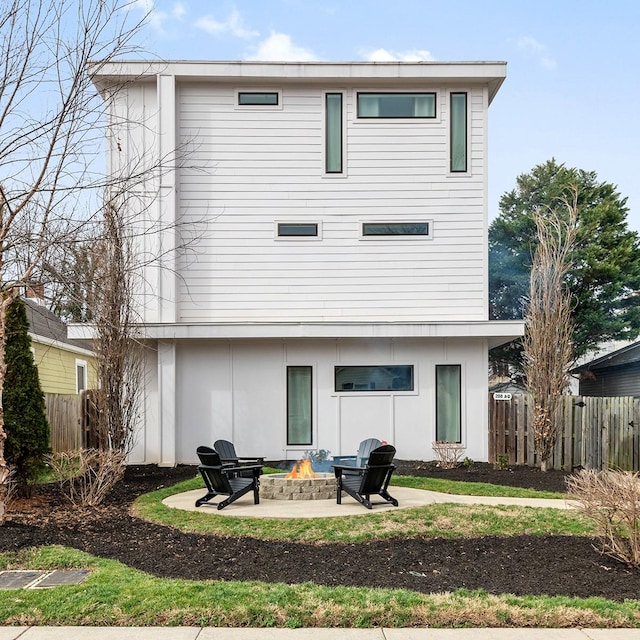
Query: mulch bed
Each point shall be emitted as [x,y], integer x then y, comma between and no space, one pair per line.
[521,565]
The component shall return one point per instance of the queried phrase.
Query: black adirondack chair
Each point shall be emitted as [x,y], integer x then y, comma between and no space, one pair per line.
[225,480]
[373,479]
[228,454]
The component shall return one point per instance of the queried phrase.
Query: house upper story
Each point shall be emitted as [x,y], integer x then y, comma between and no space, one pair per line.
[306,192]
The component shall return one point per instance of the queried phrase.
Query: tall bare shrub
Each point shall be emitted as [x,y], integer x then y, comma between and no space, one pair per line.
[547,343]
[611,499]
[118,352]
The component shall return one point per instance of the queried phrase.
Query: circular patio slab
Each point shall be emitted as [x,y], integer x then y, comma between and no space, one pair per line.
[407,498]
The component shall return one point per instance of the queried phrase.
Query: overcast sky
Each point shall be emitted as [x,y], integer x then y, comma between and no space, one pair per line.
[573,79]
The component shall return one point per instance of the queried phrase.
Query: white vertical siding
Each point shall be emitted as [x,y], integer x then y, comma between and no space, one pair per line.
[237,390]
[248,168]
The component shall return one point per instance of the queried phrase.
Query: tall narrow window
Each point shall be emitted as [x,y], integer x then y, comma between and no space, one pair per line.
[81,375]
[299,404]
[449,402]
[333,133]
[458,132]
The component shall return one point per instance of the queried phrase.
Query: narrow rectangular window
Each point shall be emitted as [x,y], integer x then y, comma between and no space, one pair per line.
[458,141]
[81,375]
[292,230]
[333,133]
[258,98]
[299,405]
[449,403]
[395,228]
[396,105]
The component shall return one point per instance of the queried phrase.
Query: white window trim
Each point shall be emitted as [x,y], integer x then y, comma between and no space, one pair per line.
[424,122]
[460,175]
[393,238]
[83,364]
[463,399]
[301,448]
[315,238]
[257,107]
[372,393]
[343,173]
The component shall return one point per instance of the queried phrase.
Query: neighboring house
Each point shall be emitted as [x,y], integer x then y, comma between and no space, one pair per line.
[65,366]
[614,374]
[314,242]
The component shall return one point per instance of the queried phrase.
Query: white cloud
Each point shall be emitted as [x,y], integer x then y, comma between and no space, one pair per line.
[278,47]
[384,55]
[233,25]
[537,49]
[179,11]
[155,18]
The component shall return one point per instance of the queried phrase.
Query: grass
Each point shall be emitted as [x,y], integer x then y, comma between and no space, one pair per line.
[444,520]
[116,595]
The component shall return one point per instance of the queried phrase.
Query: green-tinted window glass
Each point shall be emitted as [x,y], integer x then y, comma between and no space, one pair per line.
[333,149]
[396,105]
[458,132]
[299,404]
[257,98]
[448,403]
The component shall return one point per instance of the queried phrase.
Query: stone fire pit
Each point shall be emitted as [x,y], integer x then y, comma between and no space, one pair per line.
[276,487]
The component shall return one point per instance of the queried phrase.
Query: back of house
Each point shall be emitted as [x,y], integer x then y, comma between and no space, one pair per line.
[313,247]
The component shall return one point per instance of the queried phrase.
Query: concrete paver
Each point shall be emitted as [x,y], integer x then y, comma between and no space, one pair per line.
[291,634]
[484,634]
[110,633]
[612,634]
[12,633]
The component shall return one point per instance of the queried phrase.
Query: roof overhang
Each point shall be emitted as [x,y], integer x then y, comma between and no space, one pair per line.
[368,74]
[495,332]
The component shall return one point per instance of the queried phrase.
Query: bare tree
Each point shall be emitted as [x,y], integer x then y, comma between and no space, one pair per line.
[547,341]
[51,135]
[118,351]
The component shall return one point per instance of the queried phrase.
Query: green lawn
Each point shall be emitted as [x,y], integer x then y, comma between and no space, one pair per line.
[117,595]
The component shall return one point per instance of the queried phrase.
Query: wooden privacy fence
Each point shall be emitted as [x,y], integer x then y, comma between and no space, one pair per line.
[70,420]
[595,433]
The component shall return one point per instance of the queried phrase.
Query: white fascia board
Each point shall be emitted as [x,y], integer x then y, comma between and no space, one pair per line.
[65,346]
[496,332]
[369,73]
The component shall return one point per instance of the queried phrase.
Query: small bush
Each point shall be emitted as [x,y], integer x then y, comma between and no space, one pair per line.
[87,475]
[448,454]
[502,462]
[611,499]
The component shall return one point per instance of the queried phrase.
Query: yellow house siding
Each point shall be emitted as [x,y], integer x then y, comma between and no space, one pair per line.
[57,368]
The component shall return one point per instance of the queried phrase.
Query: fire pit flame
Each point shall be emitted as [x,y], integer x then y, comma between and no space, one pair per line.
[302,469]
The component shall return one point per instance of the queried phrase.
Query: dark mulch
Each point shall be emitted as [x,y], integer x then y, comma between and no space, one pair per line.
[553,565]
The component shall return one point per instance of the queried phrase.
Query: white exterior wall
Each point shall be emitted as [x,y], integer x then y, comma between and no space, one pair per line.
[226,305]
[236,390]
[253,167]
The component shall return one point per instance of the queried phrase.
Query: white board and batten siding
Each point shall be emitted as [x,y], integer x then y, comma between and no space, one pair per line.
[250,168]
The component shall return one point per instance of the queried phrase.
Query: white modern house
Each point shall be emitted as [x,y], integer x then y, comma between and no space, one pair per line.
[315,253]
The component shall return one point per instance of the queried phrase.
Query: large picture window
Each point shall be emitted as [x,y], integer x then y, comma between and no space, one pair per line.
[299,405]
[449,403]
[396,105]
[374,378]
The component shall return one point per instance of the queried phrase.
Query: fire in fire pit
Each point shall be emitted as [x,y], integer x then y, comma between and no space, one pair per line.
[302,469]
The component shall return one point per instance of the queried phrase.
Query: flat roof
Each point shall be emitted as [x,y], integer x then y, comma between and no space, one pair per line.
[352,73]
